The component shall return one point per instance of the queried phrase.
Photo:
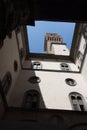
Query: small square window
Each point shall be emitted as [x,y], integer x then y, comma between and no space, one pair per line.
[65,67]
[36,65]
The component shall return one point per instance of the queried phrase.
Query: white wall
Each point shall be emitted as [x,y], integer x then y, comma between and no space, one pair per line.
[82,48]
[53,89]
[82,45]
[60,49]
[50,65]
[9,53]
[84,69]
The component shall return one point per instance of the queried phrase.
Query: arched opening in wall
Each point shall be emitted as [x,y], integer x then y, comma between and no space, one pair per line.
[6,82]
[31,99]
[77,101]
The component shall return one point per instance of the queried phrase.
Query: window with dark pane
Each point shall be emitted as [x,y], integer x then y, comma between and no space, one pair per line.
[6,82]
[36,65]
[74,102]
[77,101]
[80,101]
[15,66]
[65,67]
[31,99]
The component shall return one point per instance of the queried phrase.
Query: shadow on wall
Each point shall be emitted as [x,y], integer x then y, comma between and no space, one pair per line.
[26,92]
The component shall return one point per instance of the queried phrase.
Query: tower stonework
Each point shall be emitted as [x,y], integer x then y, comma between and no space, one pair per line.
[53,44]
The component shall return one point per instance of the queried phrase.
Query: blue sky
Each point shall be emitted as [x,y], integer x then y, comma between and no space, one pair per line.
[36,34]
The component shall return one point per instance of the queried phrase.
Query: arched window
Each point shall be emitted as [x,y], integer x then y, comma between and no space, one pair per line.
[36,65]
[6,82]
[77,101]
[31,99]
[65,67]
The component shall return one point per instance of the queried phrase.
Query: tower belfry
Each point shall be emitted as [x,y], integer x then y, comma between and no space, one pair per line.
[53,44]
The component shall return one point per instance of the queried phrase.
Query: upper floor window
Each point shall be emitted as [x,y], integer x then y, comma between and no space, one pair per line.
[15,66]
[79,56]
[65,67]
[31,99]
[36,65]
[77,101]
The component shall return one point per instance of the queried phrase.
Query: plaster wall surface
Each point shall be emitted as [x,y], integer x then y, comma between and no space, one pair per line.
[21,47]
[20,40]
[82,45]
[81,49]
[60,49]
[9,53]
[48,48]
[54,92]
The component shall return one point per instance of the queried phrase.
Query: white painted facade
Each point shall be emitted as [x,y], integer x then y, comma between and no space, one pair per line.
[49,65]
[60,49]
[84,69]
[81,50]
[53,89]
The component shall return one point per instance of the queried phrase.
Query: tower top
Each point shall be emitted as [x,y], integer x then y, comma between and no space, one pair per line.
[53,44]
[51,38]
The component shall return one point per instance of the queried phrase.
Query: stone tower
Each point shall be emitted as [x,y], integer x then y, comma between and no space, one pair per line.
[53,44]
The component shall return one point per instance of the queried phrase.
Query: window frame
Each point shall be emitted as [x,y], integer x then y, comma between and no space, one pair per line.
[77,105]
[65,68]
[33,104]
[37,67]
[6,82]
